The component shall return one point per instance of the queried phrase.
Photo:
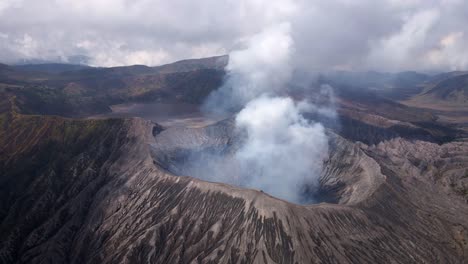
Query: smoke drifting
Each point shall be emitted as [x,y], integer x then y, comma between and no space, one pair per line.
[262,67]
[281,152]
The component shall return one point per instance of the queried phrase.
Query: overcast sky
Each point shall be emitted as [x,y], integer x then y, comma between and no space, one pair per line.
[388,35]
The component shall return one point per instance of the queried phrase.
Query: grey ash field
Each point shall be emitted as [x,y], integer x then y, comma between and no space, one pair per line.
[80,183]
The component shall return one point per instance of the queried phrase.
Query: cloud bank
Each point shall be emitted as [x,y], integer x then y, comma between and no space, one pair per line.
[390,35]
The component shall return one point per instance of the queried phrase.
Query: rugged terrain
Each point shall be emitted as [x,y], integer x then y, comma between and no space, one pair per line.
[394,188]
[96,195]
[87,91]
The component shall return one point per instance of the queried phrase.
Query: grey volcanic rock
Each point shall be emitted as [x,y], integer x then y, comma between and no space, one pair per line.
[94,191]
[349,175]
[180,149]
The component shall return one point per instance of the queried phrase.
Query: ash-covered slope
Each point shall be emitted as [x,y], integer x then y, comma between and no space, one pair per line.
[91,192]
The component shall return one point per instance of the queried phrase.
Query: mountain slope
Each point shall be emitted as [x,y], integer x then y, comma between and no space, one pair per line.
[90,192]
[395,86]
[448,91]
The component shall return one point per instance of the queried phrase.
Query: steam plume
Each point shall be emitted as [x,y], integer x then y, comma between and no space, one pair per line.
[262,67]
[281,152]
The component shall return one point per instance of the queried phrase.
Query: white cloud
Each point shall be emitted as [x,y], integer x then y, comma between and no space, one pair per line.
[27,45]
[9,4]
[361,34]
[397,49]
[451,53]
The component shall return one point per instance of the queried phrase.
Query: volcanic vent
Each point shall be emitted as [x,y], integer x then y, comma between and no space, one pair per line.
[347,174]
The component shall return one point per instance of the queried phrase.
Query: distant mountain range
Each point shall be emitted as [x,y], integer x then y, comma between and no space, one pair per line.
[74,90]
[73,59]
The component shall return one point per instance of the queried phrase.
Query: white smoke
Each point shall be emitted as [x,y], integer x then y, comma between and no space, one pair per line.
[262,66]
[282,152]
